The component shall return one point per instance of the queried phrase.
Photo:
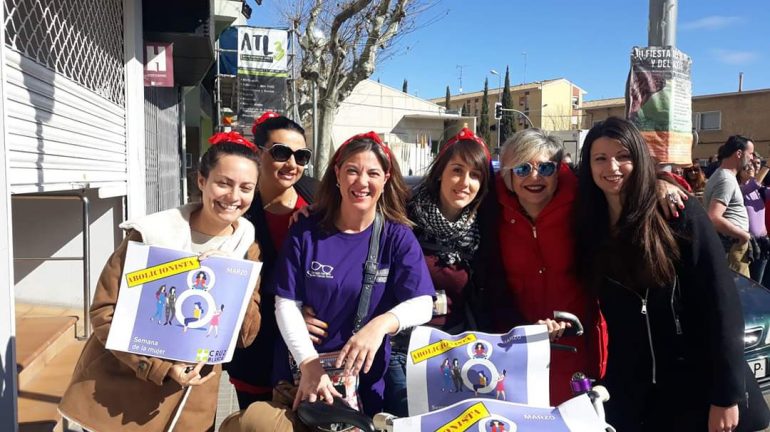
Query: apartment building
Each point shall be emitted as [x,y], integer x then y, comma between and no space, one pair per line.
[550,104]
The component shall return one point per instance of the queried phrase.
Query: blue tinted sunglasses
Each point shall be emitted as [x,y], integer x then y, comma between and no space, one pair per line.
[544,169]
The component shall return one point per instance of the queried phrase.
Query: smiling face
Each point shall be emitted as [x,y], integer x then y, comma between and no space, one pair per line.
[282,174]
[361,180]
[228,190]
[611,165]
[460,183]
[534,191]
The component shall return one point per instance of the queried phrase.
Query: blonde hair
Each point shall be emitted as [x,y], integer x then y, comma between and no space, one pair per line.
[527,144]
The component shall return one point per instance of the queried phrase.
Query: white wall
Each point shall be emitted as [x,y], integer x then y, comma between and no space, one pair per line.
[53,228]
[8,378]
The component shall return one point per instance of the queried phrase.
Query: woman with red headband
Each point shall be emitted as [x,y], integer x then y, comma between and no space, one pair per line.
[282,190]
[113,390]
[329,263]
[444,208]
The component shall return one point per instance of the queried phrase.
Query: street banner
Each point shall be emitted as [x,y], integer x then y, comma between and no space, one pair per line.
[174,306]
[485,415]
[659,101]
[262,72]
[158,64]
[443,369]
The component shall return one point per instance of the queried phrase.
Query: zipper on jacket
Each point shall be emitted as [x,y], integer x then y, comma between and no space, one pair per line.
[647,322]
[673,310]
[534,231]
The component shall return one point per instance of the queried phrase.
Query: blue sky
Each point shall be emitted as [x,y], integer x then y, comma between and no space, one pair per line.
[585,41]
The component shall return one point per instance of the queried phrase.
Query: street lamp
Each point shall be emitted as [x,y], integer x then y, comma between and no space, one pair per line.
[499,99]
[532,125]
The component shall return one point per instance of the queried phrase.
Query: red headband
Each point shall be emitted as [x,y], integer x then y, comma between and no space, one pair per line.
[466,134]
[368,135]
[231,137]
[263,118]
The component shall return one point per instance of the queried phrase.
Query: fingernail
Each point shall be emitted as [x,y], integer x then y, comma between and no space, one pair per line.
[676,214]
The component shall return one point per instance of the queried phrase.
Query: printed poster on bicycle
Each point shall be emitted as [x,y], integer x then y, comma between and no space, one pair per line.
[485,415]
[174,306]
[443,369]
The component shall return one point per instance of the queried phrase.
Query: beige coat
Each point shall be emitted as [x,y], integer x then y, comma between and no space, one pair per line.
[118,391]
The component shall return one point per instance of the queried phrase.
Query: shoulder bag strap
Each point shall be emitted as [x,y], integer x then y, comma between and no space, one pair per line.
[370,274]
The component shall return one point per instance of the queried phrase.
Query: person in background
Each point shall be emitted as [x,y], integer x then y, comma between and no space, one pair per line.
[322,266]
[754,199]
[282,190]
[711,166]
[696,179]
[119,391]
[665,291]
[724,202]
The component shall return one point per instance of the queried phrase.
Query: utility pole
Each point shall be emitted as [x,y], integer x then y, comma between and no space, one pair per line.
[662,28]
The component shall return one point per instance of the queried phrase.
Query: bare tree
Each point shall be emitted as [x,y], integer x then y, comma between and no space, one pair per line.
[340,45]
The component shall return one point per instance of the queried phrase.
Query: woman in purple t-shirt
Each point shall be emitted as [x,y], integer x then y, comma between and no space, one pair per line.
[754,199]
[322,266]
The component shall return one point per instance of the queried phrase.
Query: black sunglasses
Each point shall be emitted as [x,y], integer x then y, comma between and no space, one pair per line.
[281,153]
[544,169]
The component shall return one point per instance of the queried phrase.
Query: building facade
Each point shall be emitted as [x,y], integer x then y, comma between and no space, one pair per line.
[550,104]
[715,118]
[412,127]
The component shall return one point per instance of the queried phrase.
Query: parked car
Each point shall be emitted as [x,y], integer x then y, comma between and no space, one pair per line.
[756,339]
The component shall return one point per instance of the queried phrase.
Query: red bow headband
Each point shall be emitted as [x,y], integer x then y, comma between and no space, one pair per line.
[263,118]
[368,135]
[231,137]
[466,134]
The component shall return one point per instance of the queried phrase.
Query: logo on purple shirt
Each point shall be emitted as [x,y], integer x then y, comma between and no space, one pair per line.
[319,270]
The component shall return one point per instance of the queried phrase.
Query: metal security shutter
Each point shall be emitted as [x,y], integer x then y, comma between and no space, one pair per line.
[65,88]
[162,144]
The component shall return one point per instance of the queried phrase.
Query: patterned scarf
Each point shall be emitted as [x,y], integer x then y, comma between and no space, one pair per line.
[455,242]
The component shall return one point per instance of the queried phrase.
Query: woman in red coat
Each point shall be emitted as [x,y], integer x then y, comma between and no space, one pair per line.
[535,271]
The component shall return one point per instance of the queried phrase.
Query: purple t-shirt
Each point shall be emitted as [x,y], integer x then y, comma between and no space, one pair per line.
[755,208]
[325,271]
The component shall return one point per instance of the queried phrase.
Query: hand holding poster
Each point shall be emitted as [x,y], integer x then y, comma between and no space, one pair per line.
[443,369]
[174,306]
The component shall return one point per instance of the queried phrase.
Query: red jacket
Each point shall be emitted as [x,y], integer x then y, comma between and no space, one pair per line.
[539,266]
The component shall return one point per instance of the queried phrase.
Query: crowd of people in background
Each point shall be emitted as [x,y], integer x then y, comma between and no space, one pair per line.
[353,262]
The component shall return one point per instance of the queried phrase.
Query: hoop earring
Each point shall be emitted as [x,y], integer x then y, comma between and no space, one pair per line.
[338,185]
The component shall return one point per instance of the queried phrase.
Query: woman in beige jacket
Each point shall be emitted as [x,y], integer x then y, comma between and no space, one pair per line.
[113,390]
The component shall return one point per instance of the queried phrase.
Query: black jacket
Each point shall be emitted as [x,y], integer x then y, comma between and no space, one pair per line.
[254,365]
[677,347]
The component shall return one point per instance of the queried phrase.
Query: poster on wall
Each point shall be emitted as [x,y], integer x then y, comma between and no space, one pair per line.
[174,306]
[444,369]
[659,101]
[262,72]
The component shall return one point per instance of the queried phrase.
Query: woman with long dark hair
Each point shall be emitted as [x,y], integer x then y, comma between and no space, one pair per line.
[673,314]
[119,391]
[283,189]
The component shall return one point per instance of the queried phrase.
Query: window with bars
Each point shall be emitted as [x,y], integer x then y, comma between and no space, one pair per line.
[75,38]
[709,120]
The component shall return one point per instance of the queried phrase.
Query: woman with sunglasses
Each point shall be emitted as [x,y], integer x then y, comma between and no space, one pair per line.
[282,190]
[322,265]
[530,230]
[672,309]
[119,391]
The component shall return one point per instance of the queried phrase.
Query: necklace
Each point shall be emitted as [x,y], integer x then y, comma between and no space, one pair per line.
[276,200]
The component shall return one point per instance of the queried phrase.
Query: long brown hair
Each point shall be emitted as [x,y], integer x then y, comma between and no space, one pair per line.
[641,226]
[392,202]
[472,154]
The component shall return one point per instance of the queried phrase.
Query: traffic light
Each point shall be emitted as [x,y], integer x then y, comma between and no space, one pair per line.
[498,110]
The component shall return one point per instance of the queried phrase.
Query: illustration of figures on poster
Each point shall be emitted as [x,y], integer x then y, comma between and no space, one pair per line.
[443,369]
[174,306]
